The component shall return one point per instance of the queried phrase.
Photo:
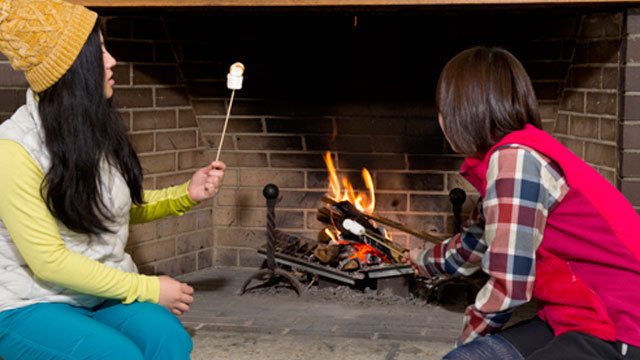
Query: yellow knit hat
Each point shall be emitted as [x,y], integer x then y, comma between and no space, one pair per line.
[43,37]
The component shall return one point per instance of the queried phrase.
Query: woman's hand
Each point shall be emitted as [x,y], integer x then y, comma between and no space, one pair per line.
[206,182]
[174,295]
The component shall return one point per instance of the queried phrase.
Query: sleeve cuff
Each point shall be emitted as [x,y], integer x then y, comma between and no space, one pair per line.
[148,290]
[424,265]
[185,199]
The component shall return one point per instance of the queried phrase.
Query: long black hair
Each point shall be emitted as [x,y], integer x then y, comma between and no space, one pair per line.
[81,129]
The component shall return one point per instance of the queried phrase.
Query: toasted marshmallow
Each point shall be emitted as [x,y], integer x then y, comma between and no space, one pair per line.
[237,69]
[234,77]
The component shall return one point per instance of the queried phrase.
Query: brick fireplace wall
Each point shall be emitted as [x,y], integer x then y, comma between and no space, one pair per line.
[629,110]
[357,83]
[587,119]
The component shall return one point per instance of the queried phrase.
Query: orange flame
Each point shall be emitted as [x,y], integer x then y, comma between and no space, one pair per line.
[363,202]
[361,251]
[330,234]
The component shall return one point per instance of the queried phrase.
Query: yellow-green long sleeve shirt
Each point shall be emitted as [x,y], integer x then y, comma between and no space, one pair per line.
[36,234]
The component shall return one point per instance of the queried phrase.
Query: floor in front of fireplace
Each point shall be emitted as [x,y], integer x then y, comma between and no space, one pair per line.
[282,326]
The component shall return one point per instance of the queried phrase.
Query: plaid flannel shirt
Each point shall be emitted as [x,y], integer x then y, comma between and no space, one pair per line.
[501,236]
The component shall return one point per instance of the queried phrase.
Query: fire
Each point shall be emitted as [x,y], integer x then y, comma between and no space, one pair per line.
[361,251]
[340,189]
[363,202]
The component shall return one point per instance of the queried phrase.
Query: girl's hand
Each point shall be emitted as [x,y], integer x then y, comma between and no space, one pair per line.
[206,182]
[174,295]
[411,258]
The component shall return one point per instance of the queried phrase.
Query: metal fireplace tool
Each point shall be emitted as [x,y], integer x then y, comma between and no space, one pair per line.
[271,274]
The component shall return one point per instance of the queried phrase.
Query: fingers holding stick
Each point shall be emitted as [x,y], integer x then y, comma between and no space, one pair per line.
[214,175]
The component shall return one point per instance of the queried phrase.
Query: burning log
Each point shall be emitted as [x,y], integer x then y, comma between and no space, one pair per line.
[349,211]
[329,217]
[324,237]
[366,233]
[335,217]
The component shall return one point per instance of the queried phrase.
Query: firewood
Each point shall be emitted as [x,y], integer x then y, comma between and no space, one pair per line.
[290,244]
[286,241]
[324,238]
[335,216]
[332,218]
[350,264]
[328,217]
[326,253]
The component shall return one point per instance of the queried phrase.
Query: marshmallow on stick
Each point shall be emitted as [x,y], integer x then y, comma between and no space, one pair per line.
[234,82]
[234,77]
[357,229]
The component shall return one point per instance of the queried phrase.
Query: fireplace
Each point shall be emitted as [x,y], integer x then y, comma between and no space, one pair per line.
[356,81]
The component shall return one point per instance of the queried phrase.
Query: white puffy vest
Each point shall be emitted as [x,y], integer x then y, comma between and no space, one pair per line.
[18,285]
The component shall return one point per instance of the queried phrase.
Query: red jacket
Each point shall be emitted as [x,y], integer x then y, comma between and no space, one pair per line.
[588,264]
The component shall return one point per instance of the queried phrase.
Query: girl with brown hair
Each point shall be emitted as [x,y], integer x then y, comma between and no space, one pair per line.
[547,227]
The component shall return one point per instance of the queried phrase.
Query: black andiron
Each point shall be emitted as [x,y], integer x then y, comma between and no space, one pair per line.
[272,274]
[472,284]
[457,197]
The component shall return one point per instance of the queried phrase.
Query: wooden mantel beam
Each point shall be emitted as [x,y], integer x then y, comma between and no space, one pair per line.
[303,3]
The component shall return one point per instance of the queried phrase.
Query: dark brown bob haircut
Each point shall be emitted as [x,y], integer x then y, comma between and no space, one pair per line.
[483,94]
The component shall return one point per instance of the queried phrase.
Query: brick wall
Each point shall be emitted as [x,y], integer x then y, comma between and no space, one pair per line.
[13,87]
[588,116]
[362,88]
[357,83]
[629,139]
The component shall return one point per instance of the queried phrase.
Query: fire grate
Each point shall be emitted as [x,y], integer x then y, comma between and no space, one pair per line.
[286,253]
[297,253]
[289,251]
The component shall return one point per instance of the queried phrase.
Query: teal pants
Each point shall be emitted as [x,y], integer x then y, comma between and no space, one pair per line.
[110,331]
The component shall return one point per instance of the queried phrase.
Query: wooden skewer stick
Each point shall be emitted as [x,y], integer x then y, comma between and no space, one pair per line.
[357,229]
[226,121]
[234,82]
[399,252]
[422,235]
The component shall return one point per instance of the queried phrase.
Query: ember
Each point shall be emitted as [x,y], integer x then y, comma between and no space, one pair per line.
[366,253]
